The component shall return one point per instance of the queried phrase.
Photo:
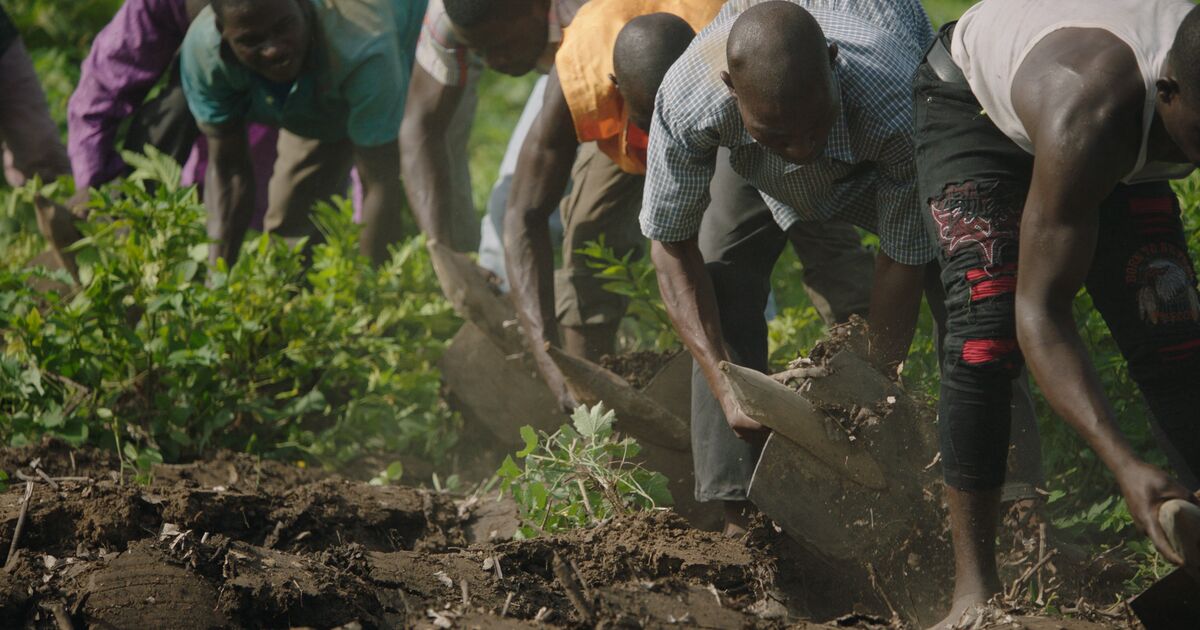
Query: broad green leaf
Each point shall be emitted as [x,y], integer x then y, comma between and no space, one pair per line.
[656,485]
[540,495]
[590,422]
[395,470]
[509,469]
[52,418]
[531,441]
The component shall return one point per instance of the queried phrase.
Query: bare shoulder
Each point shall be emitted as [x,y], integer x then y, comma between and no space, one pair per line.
[1081,86]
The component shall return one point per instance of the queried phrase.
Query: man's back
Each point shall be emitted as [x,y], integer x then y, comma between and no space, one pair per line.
[993,39]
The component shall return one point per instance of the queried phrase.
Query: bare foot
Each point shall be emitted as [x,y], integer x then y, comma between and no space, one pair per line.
[965,611]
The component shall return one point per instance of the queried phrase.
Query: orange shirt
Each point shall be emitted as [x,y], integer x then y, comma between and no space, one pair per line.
[585,61]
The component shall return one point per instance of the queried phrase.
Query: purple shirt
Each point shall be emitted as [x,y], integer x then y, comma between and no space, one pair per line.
[127,59]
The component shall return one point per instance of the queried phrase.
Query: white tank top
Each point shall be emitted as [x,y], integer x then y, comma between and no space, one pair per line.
[993,38]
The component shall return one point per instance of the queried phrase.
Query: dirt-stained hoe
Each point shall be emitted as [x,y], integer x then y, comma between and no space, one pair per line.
[844,472]
[490,378]
[1173,602]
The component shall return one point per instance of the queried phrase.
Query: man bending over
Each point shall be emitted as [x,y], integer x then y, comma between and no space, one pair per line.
[333,74]
[1046,133]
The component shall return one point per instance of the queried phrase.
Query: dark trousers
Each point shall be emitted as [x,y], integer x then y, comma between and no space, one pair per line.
[740,242]
[164,122]
[974,181]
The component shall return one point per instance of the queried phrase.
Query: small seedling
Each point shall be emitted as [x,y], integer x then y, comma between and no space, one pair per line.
[580,475]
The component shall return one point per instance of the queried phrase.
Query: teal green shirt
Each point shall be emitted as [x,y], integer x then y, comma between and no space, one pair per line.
[353,84]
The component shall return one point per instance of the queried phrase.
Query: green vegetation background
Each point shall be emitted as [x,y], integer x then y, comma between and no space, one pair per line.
[1081,496]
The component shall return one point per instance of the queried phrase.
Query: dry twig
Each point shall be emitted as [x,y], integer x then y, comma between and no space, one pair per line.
[41,473]
[1017,585]
[800,373]
[576,594]
[880,591]
[59,612]
[16,541]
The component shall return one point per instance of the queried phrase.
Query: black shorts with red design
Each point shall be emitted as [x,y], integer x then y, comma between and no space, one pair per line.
[974,181]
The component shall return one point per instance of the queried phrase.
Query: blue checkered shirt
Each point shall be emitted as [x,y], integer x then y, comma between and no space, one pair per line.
[866,175]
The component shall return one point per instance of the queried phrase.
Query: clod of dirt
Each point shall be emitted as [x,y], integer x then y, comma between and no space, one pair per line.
[59,459]
[664,605]
[637,368]
[235,470]
[141,588]
[851,335]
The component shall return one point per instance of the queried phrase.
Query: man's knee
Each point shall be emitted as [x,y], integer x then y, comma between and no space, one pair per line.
[975,423]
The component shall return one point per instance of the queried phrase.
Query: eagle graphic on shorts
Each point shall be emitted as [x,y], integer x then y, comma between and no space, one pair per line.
[1167,294]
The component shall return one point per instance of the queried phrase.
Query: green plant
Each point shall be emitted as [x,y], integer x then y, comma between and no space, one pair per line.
[390,475]
[58,34]
[64,24]
[579,476]
[156,354]
[635,278]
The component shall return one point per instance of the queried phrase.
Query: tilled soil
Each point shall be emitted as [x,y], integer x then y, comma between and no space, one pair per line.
[637,368]
[237,542]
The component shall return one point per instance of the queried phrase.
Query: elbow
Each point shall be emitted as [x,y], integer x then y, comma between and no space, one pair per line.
[661,253]
[518,222]
[410,130]
[420,122]
[886,265]
[1026,337]
[664,253]
[1038,320]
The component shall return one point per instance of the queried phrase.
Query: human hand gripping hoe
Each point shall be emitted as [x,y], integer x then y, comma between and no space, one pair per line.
[848,472]
[1173,602]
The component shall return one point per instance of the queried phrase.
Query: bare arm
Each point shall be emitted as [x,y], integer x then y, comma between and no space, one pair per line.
[895,306]
[897,288]
[427,161]
[543,170]
[229,189]
[379,168]
[1083,115]
[691,302]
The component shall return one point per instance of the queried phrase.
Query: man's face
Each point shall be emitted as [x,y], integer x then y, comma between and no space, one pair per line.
[513,40]
[638,106]
[796,131]
[641,110]
[1180,115]
[795,127]
[270,37]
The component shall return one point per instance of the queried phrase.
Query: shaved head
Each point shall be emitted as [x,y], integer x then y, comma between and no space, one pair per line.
[645,49]
[1179,90]
[781,72]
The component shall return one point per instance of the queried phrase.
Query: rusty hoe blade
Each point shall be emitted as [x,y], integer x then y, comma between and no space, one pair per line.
[786,412]
[474,299]
[638,415]
[1173,602]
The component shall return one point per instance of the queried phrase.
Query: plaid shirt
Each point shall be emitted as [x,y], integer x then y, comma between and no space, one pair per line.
[866,175]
